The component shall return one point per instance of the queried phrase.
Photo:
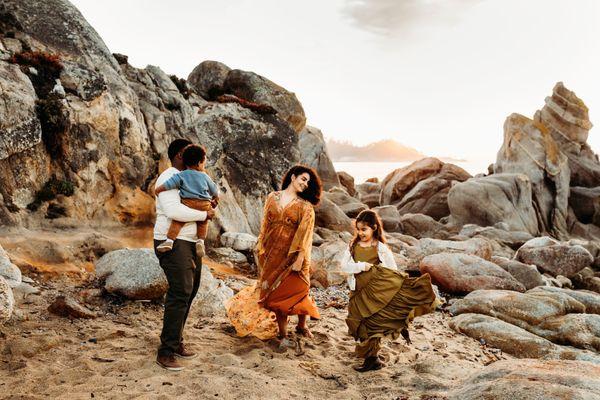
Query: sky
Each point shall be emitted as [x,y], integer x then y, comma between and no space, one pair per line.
[437,75]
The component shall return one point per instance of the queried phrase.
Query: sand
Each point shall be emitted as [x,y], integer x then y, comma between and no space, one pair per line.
[113,357]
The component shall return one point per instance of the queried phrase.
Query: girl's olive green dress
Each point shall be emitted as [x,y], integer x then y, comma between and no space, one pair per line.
[384,302]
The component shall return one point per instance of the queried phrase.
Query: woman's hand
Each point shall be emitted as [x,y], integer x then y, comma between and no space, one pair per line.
[297,265]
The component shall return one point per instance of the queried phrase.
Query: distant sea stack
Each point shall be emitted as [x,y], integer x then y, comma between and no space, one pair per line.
[384,150]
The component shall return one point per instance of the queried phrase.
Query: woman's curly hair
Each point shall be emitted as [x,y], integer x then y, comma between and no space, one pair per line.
[312,193]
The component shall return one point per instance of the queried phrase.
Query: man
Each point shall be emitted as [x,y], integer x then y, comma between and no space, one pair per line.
[181,265]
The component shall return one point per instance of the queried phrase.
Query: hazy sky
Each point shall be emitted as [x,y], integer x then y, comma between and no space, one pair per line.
[438,75]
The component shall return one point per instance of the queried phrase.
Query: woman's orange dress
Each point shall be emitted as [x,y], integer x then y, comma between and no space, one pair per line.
[285,232]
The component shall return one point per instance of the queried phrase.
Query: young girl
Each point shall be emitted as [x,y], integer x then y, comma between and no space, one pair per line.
[382,300]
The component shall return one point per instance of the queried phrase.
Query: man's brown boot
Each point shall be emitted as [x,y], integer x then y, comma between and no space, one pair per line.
[183,353]
[169,363]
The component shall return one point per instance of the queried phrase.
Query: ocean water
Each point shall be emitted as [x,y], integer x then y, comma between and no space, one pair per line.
[361,171]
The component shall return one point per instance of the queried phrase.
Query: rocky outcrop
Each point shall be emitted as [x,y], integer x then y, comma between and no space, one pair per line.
[99,133]
[134,274]
[489,200]
[313,152]
[7,301]
[566,118]
[512,239]
[422,187]
[532,379]
[463,273]
[529,149]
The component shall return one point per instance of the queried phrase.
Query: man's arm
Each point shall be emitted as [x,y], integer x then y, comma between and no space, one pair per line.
[170,202]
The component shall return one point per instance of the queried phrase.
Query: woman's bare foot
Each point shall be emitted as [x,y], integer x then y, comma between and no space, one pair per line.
[304,331]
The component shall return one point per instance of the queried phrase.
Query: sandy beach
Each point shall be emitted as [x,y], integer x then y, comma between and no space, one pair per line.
[112,357]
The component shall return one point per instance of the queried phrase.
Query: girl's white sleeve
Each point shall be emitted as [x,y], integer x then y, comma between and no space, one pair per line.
[349,266]
[387,257]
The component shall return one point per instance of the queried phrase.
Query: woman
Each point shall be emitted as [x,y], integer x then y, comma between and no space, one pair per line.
[383,300]
[283,257]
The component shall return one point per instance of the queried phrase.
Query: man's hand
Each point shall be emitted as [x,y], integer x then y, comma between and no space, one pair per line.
[210,214]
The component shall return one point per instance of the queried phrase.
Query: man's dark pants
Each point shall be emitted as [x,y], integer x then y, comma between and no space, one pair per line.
[182,269]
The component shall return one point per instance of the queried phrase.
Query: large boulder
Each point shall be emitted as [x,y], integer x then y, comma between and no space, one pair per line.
[590,300]
[566,118]
[239,241]
[512,239]
[313,153]
[463,273]
[329,215]
[326,265]
[390,217]
[7,301]
[208,78]
[133,273]
[347,181]
[527,274]
[253,87]
[422,187]
[530,149]
[556,259]
[8,270]
[514,340]
[587,279]
[351,206]
[422,226]
[369,193]
[486,201]
[532,380]
[212,295]
[476,246]
[554,316]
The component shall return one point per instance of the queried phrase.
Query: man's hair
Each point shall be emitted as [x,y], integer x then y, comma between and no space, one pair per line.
[176,146]
[193,155]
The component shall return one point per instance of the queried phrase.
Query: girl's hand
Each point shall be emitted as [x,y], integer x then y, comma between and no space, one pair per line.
[367,267]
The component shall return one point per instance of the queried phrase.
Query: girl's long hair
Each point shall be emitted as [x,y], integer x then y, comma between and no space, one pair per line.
[372,220]
[313,192]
